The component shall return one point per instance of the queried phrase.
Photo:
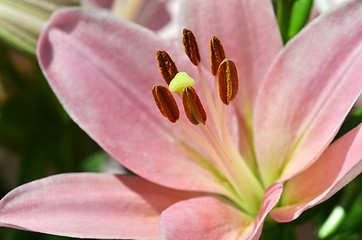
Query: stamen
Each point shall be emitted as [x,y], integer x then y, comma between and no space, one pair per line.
[194,110]
[223,158]
[217,54]
[191,48]
[180,81]
[228,81]
[167,66]
[166,102]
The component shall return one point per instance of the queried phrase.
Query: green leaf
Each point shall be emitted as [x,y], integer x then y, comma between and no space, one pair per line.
[299,16]
[94,162]
[337,216]
[345,220]
[284,10]
[292,15]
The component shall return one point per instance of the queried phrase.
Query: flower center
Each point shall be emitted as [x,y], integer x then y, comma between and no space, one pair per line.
[212,133]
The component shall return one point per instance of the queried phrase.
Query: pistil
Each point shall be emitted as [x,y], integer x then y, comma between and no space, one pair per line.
[180,82]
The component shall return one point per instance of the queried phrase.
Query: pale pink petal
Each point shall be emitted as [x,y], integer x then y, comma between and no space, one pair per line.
[202,218]
[308,92]
[100,3]
[89,205]
[247,29]
[250,35]
[338,165]
[103,69]
[153,14]
[210,218]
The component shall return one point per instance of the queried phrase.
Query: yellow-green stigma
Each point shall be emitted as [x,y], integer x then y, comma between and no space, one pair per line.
[181,81]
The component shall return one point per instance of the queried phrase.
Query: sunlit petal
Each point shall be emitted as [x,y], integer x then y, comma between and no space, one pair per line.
[89,205]
[338,165]
[308,92]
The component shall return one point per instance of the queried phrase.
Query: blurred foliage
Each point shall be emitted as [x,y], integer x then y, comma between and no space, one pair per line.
[21,20]
[299,16]
[350,198]
[349,226]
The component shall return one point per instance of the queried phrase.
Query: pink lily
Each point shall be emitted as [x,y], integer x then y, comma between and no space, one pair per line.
[213,181]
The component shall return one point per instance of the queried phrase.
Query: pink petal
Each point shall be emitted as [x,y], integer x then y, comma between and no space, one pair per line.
[271,198]
[100,3]
[308,92]
[153,14]
[89,205]
[250,35]
[202,218]
[247,29]
[338,165]
[210,218]
[103,69]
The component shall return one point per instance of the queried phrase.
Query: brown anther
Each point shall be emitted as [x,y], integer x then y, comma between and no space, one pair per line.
[194,110]
[165,102]
[191,48]
[167,66]
[227,80]
[217,54]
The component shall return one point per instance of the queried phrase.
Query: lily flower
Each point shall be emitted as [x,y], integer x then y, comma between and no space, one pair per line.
[247,137]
